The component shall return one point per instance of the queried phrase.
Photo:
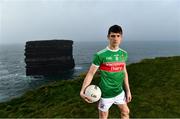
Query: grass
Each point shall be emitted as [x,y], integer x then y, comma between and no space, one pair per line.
[155,87]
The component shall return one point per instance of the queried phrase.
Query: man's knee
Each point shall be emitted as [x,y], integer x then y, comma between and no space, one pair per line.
[103,115]
[125,111]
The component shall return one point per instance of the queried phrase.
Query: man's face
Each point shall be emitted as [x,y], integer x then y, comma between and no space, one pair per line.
[115,39]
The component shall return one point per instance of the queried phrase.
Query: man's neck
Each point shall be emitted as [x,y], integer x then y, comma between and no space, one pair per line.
[113,47]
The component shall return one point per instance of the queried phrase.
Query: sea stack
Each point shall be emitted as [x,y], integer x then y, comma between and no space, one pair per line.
[49,57]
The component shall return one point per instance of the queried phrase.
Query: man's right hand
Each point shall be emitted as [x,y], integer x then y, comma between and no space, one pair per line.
[87,81]
[85,97]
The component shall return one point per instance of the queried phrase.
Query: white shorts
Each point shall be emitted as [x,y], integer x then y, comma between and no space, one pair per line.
[106,103]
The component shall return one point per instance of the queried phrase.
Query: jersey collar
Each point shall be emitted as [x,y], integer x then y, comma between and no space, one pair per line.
[112,50]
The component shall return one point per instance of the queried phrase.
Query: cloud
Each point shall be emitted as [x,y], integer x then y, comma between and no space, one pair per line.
[24,20]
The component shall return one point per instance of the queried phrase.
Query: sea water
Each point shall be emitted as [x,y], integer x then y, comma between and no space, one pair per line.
[14,82]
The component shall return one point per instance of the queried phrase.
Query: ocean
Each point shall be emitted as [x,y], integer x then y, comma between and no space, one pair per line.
[14,82]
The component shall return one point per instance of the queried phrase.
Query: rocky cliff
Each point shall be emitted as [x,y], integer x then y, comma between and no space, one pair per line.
[48,57]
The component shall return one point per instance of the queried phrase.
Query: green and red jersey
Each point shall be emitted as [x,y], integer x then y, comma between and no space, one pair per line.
[111,65]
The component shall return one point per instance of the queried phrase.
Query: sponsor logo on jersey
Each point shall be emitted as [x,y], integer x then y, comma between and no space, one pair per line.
[112,66]
[122,56]
[116,57]
[108,58]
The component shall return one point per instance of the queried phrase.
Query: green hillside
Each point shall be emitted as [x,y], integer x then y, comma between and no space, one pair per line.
[155,87]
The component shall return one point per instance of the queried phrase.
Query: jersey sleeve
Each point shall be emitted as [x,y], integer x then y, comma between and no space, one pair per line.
[96,60]
[126,57]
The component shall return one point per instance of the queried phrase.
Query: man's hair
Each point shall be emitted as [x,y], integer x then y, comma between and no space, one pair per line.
[115,29]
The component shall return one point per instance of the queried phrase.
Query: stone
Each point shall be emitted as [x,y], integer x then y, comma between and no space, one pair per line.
[49,57]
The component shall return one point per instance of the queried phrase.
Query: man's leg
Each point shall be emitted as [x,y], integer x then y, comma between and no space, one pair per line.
[124,111]
[103,106]
[103,115]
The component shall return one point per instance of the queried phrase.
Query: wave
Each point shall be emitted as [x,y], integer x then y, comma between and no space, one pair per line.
[9,76]
[4,72]
[78,67]
[2,66]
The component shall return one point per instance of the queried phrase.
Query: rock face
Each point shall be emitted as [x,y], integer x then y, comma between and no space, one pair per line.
[48,57]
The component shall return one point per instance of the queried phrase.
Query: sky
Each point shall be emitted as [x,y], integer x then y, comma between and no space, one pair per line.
[88,20]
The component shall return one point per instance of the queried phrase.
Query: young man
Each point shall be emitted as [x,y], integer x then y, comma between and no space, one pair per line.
[114,82]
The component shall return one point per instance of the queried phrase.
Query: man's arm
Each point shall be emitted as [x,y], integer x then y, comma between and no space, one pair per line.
[127,88]
[87,82]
